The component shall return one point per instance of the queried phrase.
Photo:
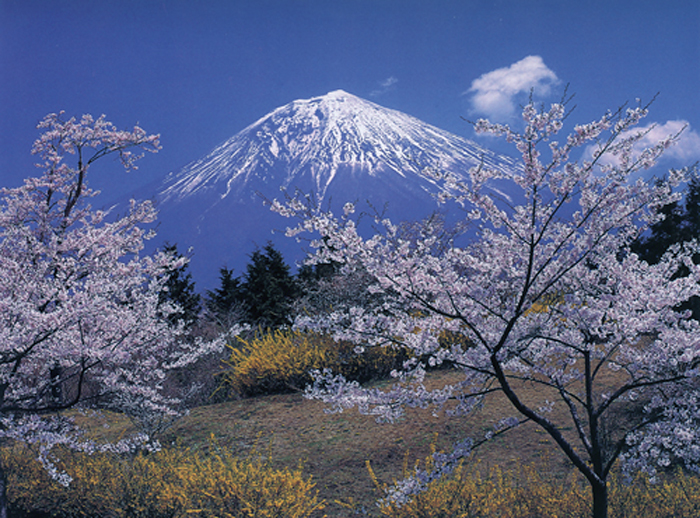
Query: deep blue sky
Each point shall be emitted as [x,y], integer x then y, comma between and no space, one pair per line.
[199,71]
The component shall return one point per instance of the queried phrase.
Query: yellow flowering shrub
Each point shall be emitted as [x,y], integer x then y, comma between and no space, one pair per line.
[471,492]
[171,483]
[280,361]
[674,496]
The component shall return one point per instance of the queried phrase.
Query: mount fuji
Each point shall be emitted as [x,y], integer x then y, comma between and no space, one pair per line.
[336,148]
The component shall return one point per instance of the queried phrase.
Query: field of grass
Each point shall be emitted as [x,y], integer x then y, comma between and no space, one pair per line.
[335,448]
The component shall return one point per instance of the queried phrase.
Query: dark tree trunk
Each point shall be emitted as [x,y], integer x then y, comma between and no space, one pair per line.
[3,492]
[600,500]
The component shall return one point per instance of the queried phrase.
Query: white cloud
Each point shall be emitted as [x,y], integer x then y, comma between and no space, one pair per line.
[494,93]
[685,151]
[389,82]
[385,86]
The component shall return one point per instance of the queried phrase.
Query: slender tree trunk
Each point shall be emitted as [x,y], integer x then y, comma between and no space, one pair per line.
[599,487]
[600,500]
[3,492]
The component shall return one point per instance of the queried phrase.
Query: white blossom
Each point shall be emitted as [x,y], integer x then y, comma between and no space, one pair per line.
[80,317]
[548,294]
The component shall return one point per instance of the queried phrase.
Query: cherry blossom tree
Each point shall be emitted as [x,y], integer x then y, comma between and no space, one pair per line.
[82,322]
[547,294]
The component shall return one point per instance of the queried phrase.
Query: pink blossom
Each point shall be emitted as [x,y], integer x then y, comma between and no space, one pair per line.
[81,321]
[548,293]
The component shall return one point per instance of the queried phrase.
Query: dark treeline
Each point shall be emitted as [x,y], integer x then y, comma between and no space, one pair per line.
[264,296]
[681,224]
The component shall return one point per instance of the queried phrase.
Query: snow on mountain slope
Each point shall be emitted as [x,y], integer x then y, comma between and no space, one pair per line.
[336,147]
[314,139]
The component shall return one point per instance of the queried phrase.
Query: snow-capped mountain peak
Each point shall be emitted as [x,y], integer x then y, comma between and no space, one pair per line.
[336,148]
[313,140]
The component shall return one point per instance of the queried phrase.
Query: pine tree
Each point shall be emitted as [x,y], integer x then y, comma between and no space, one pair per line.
[664,233]
[225,304]
[681,224]
[269,289]
[692,208]
[180,289]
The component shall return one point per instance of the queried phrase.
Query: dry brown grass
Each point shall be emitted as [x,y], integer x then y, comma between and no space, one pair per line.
[334,448]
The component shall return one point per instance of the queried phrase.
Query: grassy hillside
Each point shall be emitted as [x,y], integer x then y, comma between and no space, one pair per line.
[334,448]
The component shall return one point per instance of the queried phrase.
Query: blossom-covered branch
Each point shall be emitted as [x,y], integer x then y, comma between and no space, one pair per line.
[81,322]
[547,291]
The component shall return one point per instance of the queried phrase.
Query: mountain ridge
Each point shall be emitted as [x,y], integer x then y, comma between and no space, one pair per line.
[338,129]
[335,147]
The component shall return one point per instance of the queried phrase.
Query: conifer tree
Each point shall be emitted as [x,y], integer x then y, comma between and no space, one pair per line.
[692,208]
[680,224]
[180,290]
[269,289]
[225,304]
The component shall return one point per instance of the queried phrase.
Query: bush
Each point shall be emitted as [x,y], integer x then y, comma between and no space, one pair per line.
[471,492]
[280,361]
[171,483]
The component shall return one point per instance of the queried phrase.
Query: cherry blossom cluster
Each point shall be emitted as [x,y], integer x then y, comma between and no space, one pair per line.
[95,137]
[81,322]
[48,433]
[442,464]
[546,292]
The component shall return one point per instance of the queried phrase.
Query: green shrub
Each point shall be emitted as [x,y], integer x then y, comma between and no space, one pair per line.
[171,483]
